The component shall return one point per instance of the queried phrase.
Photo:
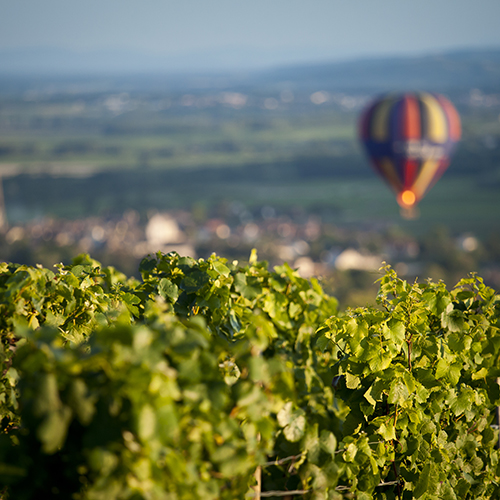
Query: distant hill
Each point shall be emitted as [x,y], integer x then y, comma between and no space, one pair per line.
[63,62]
[444,72]
[440,72]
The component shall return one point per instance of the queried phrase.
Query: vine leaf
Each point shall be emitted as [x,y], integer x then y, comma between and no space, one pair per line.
[427,481]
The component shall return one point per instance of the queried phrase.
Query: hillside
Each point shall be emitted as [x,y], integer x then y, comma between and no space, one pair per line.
[439,72]
[479,68]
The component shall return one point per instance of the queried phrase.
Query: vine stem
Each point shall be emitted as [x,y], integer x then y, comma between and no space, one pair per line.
[409,356]
[396,414]
[258,476]
[281,493]
[303,492]
[295,457]
[258,487]
[283,460]
[498,416]
[409,342]
[397,482]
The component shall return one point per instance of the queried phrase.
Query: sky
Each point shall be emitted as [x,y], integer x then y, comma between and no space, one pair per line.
[272,31]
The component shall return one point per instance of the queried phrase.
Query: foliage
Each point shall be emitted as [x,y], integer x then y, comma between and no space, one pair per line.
[419,378]
[182,384]
[141,410]
[73,301]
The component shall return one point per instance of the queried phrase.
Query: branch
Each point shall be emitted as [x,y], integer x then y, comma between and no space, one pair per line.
[282,460]
[388,483]
[296,457]
[280,493]
[303,492]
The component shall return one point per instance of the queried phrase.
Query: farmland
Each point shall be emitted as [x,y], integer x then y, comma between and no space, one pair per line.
[171,150]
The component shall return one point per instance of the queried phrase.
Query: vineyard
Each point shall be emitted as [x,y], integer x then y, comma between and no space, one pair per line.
[215,380]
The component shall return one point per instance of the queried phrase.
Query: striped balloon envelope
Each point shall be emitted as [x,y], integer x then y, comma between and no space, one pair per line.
[409,138]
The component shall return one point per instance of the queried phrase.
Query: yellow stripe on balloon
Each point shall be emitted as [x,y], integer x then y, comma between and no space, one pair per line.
[390,174]
[380,121]
[425,177]
[437,129]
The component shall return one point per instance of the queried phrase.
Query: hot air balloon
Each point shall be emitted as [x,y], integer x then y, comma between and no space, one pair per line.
[409,138]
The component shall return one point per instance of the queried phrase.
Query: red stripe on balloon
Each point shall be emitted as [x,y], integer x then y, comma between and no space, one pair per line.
[411,118]
[410,172]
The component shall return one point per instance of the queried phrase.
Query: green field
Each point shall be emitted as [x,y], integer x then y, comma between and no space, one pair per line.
[72,156]
[99,141]
[458,202]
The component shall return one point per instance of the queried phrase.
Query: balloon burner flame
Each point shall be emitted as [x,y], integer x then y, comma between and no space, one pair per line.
[407,198]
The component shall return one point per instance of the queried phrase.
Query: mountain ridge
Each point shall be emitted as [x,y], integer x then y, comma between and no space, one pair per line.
[439,71]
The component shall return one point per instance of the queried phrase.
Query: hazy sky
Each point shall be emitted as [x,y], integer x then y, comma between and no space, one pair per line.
[334,28]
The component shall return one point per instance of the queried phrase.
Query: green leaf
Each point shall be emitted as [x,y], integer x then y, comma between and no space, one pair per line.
[247,286]
[221,268]
[438,301]
[442,367]
[168,290]
[71,280]
[295,429]
[398,393]
[77,270]
[293,421]
[363,495]
[52,431]
[80,401]
[194,281]
[369,397]
[285,414]
[462,488]
[312,447]
[356,333]
[352,381]
[446,492]
[380,362]
[454,373]
[147,423]
[294,309]
[427,481]
[388,432]
[397,331]
[55,320]
[47,396]
[328,442]
[482,373]
[350,452]
[147,265]
[322,342]
[130,300]
[462,402]
[459,343]
[452,319]
[409,381]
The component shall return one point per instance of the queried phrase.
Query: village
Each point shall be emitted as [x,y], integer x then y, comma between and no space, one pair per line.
[345,260]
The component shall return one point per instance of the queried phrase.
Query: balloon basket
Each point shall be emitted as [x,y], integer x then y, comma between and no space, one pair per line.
[409,213]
